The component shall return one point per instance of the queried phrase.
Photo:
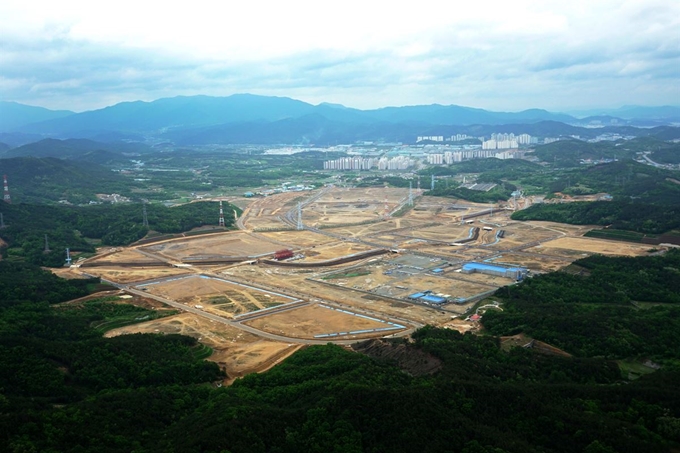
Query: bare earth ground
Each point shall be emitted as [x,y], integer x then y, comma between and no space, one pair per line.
[121,255]
[238,352]
[537,263]
[133,274]
[228,244]
[376,286]
[66,272]
[335,250]
[306,322]
[587,246]
[215,296]
[289,281]
[299,239]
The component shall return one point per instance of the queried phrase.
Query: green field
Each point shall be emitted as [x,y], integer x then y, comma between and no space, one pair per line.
[616,235]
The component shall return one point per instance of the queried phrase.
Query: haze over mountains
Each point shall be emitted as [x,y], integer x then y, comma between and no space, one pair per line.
[246,118]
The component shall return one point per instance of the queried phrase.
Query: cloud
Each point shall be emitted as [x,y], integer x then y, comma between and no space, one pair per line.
[499,55]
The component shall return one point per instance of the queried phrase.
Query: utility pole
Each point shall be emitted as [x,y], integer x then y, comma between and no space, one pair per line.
[6,198]
[221,215]
[300,226]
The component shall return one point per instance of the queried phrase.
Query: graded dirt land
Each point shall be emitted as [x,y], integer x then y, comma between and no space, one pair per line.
[570,246]
[232,244]
[133,274]
[253,314]
[321,320]
[215,295]
[236,351]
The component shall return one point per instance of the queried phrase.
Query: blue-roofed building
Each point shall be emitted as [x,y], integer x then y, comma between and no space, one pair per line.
[437,271]
[416,296]
[515,273]
[433,299]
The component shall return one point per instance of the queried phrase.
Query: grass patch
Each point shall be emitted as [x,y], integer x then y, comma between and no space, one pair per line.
[632,369]
[251,306]
[616,235]
[219,300]
[201,351]
[346,275]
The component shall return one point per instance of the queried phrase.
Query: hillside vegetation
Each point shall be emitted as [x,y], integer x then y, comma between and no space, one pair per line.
[77,226]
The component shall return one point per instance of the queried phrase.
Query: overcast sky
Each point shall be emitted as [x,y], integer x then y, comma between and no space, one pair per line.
[500,55]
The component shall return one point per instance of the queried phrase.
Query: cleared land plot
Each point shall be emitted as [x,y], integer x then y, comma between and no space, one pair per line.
[517,234]
[122,256]
[267,212]
[238,352]
[316,321]
[228,244]
[66,272]
[578,247]
[362,277]
[377,227]
[299,239]
[439,285]
[348,206]
[456,253]
[363,195]
[387,241]
[532,262]
[477,277]
[569,230]
[417,261]
[216,295]
[293,282]
[444,233]
[337,250]
[320,215]
[136,274]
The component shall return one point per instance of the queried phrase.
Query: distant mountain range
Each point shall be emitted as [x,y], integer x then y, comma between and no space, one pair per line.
[76,149]
[246,118]
[14,115]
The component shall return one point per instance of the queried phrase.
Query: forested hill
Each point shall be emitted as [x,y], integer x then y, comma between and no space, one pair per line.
[606,307]
[570,153]
[80,227]
[78,149]
[63,387]
[645,199]
[35,180]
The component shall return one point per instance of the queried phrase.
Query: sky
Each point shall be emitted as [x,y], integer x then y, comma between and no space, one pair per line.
[505,55]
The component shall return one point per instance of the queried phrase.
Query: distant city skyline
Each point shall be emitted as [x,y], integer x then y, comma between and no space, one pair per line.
[495,55]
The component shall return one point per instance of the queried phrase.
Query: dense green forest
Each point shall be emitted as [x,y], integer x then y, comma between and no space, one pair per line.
[641,217]
[63,387]
[501,192]
[611,307]
[569,153]
[380,181]
[84,170]
[646,199]
[37,180]
[77,226]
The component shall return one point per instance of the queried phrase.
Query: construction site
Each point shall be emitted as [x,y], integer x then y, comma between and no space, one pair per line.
[336,265]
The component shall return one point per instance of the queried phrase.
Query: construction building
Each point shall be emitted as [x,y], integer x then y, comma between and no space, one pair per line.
[283,255]
[515,273]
